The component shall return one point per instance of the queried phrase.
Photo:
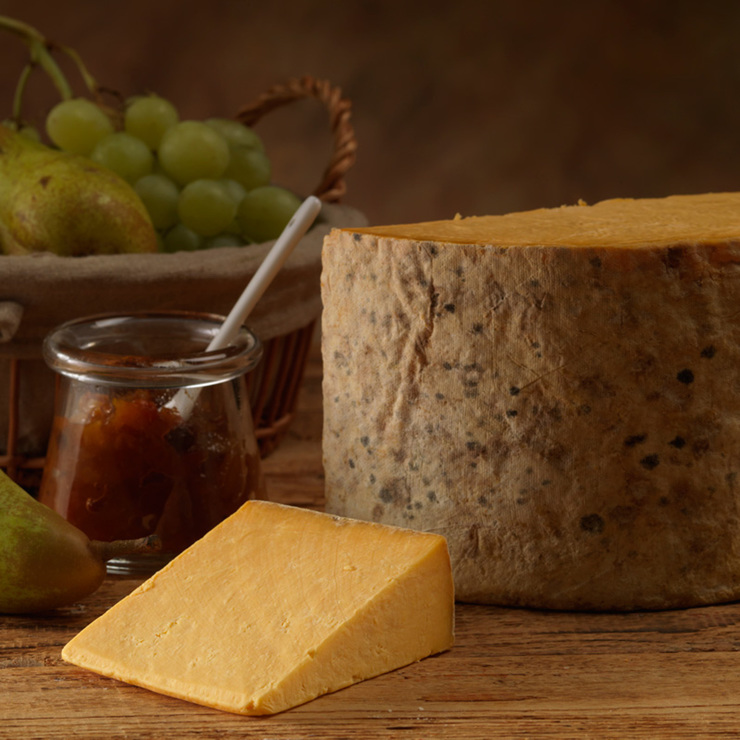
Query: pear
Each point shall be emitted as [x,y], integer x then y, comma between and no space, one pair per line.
[45,561]
[66,204]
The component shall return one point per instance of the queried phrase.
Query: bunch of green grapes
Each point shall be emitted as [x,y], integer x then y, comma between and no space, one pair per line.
[204,183]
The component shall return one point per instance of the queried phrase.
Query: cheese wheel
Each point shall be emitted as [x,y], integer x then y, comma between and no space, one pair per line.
[555,391]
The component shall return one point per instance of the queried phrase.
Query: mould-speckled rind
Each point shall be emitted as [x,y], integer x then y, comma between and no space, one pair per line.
[567,417]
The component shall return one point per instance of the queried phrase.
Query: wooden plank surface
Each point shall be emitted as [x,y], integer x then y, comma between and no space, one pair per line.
[513,673]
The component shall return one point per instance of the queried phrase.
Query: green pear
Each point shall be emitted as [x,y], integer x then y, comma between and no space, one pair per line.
[66,204]
[45,561]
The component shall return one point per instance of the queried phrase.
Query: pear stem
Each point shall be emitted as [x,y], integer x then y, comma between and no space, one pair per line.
[121,548]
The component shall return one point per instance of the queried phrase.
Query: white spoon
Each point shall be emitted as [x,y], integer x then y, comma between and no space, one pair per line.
[184,400]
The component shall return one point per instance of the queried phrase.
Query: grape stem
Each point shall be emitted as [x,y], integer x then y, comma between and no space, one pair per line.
[41,55]
[19,90]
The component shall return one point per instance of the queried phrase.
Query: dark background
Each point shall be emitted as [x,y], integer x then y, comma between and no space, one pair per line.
[467,106]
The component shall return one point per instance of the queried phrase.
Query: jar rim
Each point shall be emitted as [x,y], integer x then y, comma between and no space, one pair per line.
[149,349]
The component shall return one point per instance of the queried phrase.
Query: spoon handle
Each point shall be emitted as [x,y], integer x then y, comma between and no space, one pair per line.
[184,400]
[296,228]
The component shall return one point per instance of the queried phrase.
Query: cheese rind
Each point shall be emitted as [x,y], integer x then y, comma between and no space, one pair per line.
[562,406]
[275,607]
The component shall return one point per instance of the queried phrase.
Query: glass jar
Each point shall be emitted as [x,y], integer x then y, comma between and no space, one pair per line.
[125,460]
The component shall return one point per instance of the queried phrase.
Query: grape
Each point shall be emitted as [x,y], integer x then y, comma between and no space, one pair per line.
[236,190]
[192,150]
[30,132]
[237,134]
[24,129]
[249,167]
[264,212]
[206,207]
[159,195]
[181,239]
[126,155]
[236,230]
[148,118]
[223,240]
[77,125]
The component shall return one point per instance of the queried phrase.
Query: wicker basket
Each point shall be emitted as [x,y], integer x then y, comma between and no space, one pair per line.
[52,281]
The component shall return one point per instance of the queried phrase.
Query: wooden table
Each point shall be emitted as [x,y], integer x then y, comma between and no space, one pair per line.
[514,673]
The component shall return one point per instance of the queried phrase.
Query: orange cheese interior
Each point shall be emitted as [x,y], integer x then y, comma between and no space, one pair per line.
[622,222]
[274,607]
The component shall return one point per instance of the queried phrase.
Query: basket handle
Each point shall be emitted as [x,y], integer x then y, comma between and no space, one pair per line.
[332,186]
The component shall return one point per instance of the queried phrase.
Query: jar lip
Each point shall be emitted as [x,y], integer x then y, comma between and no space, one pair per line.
[92,346]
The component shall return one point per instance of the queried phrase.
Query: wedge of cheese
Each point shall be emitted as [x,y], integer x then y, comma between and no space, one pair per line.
[555,391]
[274,607]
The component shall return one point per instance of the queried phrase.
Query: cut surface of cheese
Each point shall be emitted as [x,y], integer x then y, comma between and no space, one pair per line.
[555,391]
[620,222]
[274,607]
